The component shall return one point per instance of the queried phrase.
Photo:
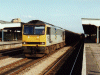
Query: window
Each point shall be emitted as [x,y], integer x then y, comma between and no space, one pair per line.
[48,30]
[28,29]
[39,30]
[34,30]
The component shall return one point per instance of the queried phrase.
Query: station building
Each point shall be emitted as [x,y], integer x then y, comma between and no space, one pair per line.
[11,31]
[91,28]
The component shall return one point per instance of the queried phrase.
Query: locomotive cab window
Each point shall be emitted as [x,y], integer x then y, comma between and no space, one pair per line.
[39,30]
[34,30]
[28,29]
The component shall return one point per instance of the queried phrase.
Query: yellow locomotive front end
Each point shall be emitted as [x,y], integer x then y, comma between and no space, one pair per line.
[34,40]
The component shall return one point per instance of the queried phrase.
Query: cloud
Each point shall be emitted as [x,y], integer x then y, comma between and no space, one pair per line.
[27,16]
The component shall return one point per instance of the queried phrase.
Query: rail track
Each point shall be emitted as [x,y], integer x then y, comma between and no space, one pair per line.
[53,68]
[27,65]
[17,67]
[8,53]
[9,68]
[4,57]
[73,65]
[21,65]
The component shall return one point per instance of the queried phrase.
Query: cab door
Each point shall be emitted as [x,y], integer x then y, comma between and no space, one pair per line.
[49,34]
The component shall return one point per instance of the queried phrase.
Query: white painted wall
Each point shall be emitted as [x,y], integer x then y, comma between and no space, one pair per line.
[0,25]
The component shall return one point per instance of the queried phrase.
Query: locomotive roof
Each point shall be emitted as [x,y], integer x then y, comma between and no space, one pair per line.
[41,22]
[36,22]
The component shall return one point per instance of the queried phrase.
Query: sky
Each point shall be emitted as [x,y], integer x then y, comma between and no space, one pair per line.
[63,13]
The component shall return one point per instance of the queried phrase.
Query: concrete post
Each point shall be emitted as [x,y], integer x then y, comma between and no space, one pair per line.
[97,34]
[2,35]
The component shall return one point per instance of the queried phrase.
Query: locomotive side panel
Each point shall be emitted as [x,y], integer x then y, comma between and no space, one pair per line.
[59,36]
[53,40]
[55,36]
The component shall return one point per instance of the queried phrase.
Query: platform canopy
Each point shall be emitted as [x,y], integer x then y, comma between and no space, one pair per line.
[9,25]
[90,21]
[90,25]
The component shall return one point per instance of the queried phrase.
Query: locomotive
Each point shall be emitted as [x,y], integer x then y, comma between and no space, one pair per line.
[40,38]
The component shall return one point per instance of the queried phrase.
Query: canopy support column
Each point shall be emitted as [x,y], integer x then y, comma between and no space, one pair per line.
[97,34]
[2,35]
[16,35]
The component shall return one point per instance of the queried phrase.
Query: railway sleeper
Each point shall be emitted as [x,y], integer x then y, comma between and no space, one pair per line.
[0,55]
[34,55]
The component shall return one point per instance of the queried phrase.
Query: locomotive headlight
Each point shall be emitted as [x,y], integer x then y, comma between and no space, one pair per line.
[28,36]
[23,42]
[42,43]
[37,36]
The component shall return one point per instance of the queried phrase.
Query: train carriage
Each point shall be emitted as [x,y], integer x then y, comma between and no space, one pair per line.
[40,38]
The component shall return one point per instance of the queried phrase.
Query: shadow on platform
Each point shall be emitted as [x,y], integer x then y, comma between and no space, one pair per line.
[88,41]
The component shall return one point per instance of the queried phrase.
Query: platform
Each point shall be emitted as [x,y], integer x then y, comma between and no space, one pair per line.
[10,45]
[91,59]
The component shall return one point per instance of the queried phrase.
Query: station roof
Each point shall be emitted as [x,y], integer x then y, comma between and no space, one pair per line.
[11,26]
[90,25]
[90,21]
[8,25]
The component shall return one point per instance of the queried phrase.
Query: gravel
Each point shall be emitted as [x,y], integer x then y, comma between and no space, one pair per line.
[9,60]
